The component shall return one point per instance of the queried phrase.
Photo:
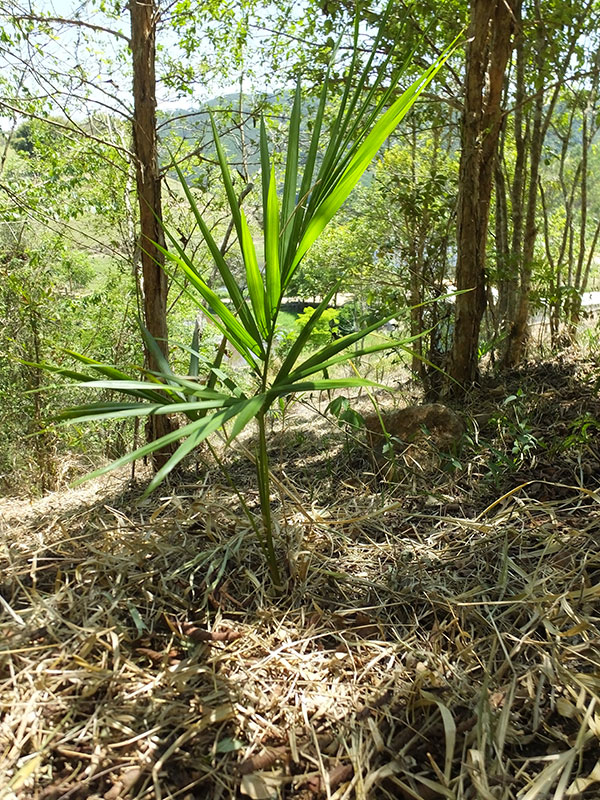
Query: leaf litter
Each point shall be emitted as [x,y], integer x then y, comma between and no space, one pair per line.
[438,636]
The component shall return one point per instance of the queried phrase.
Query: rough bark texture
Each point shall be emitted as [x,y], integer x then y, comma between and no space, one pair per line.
[144,17]
[488,51]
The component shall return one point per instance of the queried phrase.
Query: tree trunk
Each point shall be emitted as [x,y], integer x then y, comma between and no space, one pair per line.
[507,300]
[589,130]
[519,333]
[415,249]
[543,109]
[488,51]
[144,18]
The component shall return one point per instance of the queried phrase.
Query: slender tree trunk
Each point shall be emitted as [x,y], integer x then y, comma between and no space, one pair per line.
[488,51]
[543,109]
[589,129]
[518,335]
[415,248]
[501,234]
[593,111]
[144,18]
[568,197]
[416,310]
[507,301]
[574,308]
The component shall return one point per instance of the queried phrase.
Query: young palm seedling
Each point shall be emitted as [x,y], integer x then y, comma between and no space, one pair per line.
[293,220]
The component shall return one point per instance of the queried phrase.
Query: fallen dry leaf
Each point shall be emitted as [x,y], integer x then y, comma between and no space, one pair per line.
[173,656]
[202,635]
[262,785]
[264,760]
[337,776]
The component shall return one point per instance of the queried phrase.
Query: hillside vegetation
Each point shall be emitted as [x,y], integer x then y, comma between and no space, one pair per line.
[300,401]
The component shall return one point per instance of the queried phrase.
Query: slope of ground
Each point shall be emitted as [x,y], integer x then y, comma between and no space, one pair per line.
[438,636]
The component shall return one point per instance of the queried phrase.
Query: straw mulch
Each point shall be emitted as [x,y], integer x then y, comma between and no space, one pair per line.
[421,648]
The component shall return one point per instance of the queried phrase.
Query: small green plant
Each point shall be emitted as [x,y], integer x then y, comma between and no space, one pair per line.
[346,416]
[589,339]
[293,222]
[348,419]
[514,426]
[583,430]
[488,346]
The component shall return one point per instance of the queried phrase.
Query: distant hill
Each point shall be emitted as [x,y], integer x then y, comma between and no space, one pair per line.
[193,126]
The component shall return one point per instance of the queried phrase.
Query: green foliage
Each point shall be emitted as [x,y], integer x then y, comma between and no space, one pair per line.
[347,418]
[321,331]
[343,412]
[25,305]
[590,340]
[584,431]
[293,221]
[516,431]
[45,304]
[22,140]
[413,197]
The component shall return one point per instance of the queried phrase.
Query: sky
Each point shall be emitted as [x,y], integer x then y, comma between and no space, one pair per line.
[97,65]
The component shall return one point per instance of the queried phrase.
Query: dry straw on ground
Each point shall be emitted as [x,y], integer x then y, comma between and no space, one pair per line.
[418,651]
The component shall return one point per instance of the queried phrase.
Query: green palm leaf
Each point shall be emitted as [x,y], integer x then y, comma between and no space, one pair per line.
[198,432]
[246,343]
[288,202]
[256,290]
[322,384]
[247,318]
[349,355]
[94,412]
[194,367]
[361,159]
[233,290]
[141,452]
[338,345]
[272,270]
[245,414]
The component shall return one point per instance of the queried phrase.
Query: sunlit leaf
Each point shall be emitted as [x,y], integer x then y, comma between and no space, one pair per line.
[256,289]
[272,270]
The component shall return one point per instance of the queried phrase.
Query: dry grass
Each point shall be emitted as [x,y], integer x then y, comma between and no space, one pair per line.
[428,644]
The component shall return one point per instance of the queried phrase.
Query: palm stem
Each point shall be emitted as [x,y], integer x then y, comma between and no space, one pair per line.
[264,488]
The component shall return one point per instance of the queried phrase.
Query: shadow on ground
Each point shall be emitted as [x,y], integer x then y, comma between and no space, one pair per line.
[437,635]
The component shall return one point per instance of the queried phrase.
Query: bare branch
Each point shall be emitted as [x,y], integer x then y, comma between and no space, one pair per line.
[60,228]
[79,23]
[56,124]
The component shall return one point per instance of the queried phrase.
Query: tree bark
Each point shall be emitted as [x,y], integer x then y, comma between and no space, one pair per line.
[489,48]
[518,335]
[144,18]
[507,300]
[543,109]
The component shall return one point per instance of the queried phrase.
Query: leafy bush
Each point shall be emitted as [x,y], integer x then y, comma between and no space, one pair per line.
[46,306]
[321,332]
